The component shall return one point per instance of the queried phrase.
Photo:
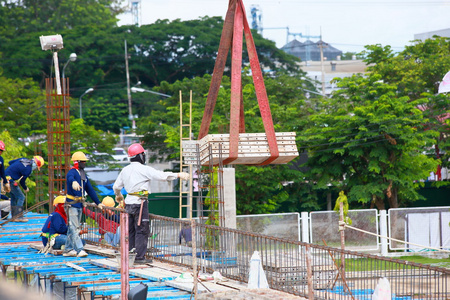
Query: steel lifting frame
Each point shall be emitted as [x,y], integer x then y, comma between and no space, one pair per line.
[232,37]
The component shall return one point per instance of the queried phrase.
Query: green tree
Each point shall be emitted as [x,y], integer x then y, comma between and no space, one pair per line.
[417,72]
[22,107]
[25,16]
[368,142]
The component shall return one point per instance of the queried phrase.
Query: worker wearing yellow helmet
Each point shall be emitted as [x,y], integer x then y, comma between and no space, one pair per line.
[108,222]
[78,185]
[16,174]
[54,230]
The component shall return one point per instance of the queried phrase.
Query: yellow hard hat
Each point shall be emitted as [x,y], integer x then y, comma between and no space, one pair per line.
[39,161]
[58,200]
[108,201]
[79,156]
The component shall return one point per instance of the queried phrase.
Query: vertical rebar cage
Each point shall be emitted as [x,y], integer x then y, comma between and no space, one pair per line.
[58,136]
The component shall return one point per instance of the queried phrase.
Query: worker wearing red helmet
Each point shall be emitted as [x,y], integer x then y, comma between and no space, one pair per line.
[136,179]
[19,170]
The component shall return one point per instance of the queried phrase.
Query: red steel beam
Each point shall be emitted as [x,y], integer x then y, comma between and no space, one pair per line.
[261,93]
[219,67]
[236,85]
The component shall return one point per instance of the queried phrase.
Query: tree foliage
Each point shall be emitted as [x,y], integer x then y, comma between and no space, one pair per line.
[417,72]
[368,141]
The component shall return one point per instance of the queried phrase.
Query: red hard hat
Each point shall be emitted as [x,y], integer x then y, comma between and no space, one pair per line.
[2,146]
[135,149]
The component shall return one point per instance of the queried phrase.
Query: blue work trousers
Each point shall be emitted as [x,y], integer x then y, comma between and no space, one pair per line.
[17,196]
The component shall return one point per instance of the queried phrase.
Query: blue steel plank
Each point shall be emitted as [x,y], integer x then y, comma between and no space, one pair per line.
[113,285]
[44,260]
[92,278]
[164,289]
[63,270]
[37,256]
[74,273]
[35,268]
[21,248]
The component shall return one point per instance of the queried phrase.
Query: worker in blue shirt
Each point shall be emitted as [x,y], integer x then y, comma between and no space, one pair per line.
[17,173]
[56,225]
[78,185]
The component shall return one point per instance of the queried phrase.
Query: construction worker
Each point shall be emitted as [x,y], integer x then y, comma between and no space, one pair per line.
[5,183]
[78,185]
[186,234]
[19,170]
[56,225]
[108,222]
[136,179]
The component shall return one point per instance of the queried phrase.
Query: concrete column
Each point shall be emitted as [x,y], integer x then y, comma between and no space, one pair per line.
[383,232]
[229,191]
[304,216]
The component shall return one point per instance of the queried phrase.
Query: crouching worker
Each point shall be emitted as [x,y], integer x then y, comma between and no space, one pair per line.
[54,231]
[108,222]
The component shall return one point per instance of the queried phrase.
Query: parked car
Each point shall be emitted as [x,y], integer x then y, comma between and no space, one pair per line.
[120,154]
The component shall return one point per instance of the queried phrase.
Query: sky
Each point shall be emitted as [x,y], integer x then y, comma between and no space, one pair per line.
[347,25]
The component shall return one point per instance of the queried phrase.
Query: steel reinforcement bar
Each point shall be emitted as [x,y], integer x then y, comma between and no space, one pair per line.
[308,270]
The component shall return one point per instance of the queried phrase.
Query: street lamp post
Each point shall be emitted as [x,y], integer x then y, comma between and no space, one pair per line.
[141,90]
[72,57]
[86,92]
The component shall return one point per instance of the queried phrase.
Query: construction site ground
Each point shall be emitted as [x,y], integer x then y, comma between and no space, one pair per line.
[20,243]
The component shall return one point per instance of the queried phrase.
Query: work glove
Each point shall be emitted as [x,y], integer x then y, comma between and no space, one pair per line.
[183,175]
[101,205]
[121,204]
[119,198]
[76,186]
[7,187]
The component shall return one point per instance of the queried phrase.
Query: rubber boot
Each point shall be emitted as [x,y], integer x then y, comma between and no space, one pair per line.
[15,210]
[4,215]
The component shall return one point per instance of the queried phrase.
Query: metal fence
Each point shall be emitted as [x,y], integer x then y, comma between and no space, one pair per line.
[324,226]
[291,266]
[284,225]
[428,226]
[298,268]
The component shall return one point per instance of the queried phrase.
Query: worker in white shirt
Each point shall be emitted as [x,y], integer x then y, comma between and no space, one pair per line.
[136,179]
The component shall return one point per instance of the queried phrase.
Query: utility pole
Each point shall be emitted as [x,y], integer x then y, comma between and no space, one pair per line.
[130,112]
[321,63]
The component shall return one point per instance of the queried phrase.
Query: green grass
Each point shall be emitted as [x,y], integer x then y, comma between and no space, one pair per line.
[439,262]
[369,264]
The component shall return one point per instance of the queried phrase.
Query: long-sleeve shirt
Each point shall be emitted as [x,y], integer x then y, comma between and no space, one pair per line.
[105,224]
[20,168]
[137,177]
[55,224]
[74,175]
[2,171]
[186,234]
